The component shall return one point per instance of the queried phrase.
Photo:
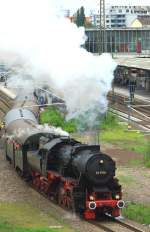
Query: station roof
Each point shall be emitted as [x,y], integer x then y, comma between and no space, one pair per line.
[119,29]
[134,62]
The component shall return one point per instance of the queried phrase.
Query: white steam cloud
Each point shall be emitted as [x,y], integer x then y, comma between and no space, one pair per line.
[37,41]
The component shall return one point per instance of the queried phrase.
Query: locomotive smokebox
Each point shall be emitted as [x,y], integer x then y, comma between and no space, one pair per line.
[97,168]
[100,169]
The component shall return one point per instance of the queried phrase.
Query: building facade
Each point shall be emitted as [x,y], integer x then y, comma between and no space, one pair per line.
[121,16]
[141,21]
[120,40]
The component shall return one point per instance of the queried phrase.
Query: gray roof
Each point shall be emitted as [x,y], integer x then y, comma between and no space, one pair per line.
[140,63]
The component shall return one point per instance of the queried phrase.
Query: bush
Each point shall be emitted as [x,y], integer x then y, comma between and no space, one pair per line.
[53,117]
[70,126]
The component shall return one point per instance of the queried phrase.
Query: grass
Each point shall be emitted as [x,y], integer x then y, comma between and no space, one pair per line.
[118,134]
[128,180]
[23,217]
[128,140]
[6,227]
[138,212]
[136,162]
[147,157]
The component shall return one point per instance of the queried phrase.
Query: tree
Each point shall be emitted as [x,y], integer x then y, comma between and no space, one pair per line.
[77,20]
[80,17]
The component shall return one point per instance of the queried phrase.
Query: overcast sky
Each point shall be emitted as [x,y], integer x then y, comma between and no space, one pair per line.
[91,4]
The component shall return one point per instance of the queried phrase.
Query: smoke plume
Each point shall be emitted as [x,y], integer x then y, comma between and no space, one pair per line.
[39,43]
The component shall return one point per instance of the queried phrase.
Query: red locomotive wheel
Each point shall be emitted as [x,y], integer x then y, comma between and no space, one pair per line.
[65,198]
[36,182]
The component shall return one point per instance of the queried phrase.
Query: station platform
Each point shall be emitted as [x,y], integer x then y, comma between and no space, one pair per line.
[139,94]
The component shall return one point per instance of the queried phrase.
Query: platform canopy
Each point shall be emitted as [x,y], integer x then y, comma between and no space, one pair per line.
[134,62]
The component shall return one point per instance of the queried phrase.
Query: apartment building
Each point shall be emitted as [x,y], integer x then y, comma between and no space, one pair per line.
[121,16]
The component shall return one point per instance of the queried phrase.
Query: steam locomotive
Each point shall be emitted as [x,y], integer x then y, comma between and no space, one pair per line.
[78,176]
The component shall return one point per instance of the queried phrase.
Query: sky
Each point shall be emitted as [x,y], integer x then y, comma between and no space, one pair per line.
[91,4]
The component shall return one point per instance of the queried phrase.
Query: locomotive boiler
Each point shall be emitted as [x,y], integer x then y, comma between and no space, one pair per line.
[77,176]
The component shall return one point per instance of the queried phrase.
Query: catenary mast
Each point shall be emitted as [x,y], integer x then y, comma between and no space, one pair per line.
[102,28]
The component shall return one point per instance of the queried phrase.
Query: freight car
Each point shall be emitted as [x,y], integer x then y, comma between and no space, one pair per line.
[78,176]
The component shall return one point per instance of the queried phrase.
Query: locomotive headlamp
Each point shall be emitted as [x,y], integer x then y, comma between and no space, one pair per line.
[92,205]
[101,161]
[91,198]
[121,204]
[117,197]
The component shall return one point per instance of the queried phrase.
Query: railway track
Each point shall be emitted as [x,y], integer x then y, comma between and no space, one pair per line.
[143,107]
[108,225]
[138,112]
[112,225]
[128,226]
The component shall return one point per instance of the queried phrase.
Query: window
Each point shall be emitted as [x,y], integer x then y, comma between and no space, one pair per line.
[121,21]
[113,21]
[120,16]
[127,10]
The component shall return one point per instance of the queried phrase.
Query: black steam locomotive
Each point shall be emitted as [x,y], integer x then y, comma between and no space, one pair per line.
[77,176]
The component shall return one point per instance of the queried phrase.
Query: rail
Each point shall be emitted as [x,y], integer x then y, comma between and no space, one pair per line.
[111,223]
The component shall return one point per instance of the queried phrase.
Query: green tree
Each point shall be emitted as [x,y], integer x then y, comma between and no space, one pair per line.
[77,20]
[80,17]
[53,117]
